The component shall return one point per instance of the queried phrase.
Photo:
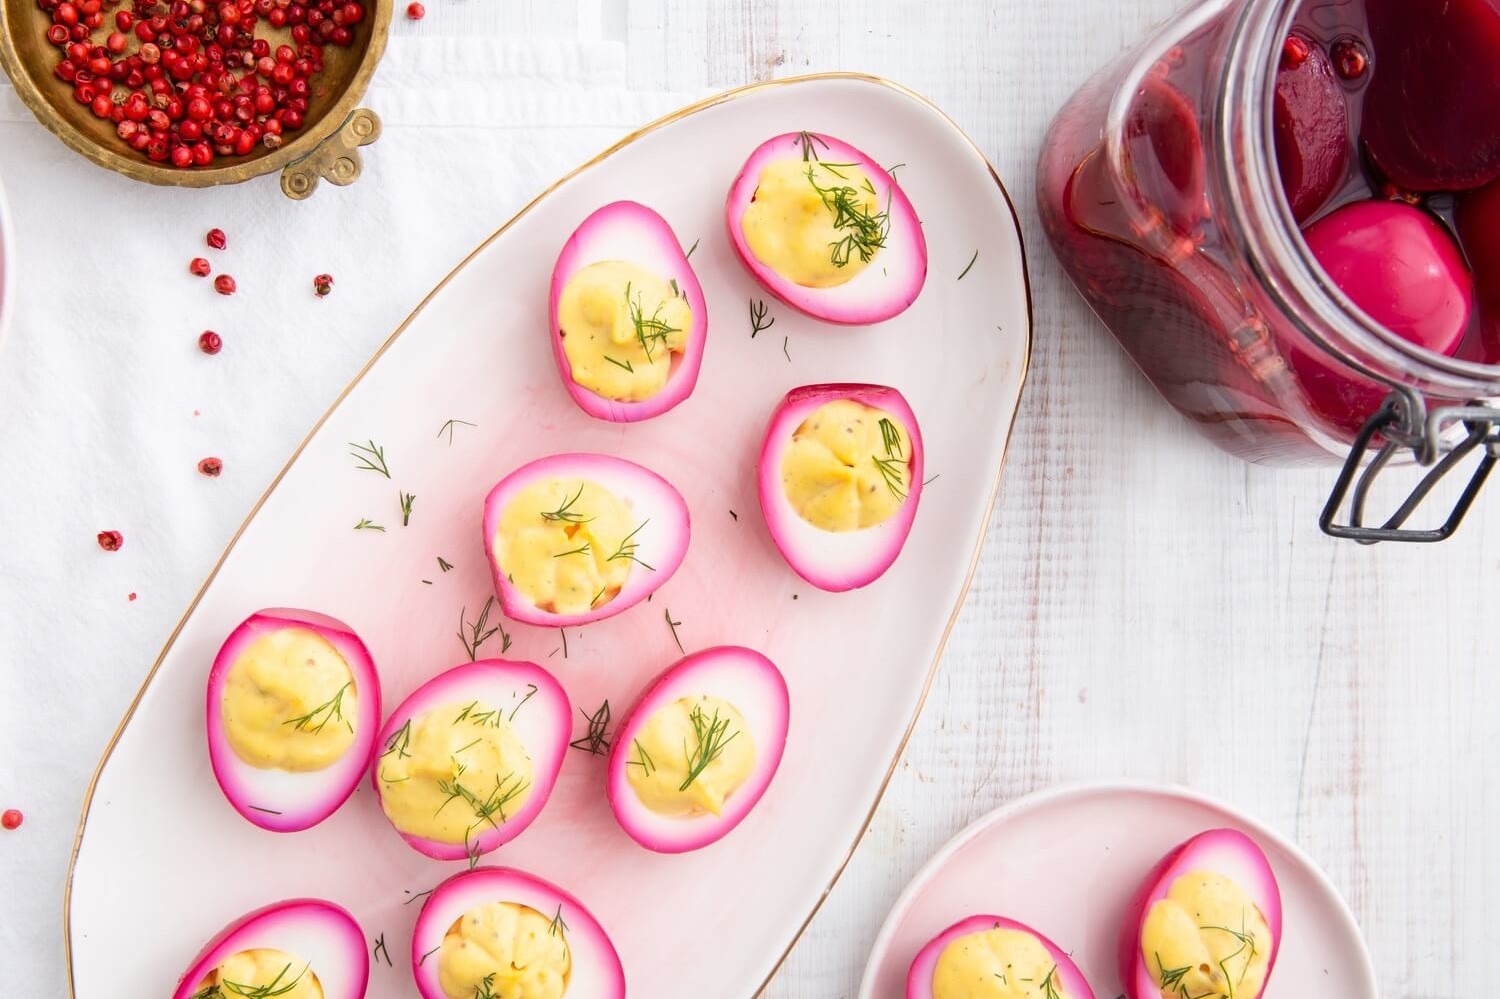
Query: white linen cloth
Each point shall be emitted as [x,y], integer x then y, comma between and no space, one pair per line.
[107,404]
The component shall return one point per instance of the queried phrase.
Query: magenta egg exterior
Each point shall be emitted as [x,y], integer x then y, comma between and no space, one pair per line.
[882,290]
[322,933]
[634,233]
[835,561]
[1228,852]
[280,801]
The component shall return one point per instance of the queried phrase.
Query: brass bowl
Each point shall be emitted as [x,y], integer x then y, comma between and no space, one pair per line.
[326,146]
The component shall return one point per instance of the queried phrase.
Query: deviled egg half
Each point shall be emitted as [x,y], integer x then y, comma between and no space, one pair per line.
[840,477]
[293,710]
[698,749]
[299,949]
[991,957]
[629,320]
[576,538]
[1205,923]
[494,931]
[824,228]
[468,760]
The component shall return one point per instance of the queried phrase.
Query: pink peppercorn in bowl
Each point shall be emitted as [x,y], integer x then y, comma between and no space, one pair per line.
[141,88]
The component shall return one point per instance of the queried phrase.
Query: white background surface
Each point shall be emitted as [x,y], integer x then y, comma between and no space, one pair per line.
[1146,607]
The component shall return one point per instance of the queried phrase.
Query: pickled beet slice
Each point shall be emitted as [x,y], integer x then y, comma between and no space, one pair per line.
[1165,151]
[1312,131]
[1432,118]
[1401,267]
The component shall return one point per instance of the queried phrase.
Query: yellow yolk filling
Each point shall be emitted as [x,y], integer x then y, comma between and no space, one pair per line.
[621,327]
[505,951]
[454,773]
[262,971]
[289,702]
[815,224]
[690,756]
[1000,963]
[1206,939]
[566,545]
[847,467]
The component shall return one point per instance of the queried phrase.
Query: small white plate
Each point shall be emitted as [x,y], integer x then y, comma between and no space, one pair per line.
[1066,862]
[159,842]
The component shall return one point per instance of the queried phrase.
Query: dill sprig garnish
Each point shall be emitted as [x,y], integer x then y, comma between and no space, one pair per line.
[379,951]
[642,759]
[785,341]
[331,709]
[647,331]
[712,735]
[557,925]
[809,143]
[481,718]
[531,690]
[970,266]
[890,437]
[476,633]
[416,895]
[267,991]
[565,511]
[444,564]
[485,809]
[689,254]
[268,811]
[895,479]
[407,499]
[596,597]
[423,960]
[628,547]
[596,741]
[1049,985]
[758,320]
[621,364]
[564,633]
[370,458]
[447,428]
[485,988]
[582,549]
[866,230]
[1247,942]
[667,613]
[1170,978]
[398,744]
[368,525]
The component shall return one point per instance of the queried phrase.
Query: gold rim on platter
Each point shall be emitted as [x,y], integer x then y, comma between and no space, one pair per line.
[677,115]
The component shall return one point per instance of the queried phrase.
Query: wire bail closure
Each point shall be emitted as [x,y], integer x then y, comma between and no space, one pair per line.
[1403,410]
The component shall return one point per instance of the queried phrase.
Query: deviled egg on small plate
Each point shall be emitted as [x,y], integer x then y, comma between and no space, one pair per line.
[293,709]
[303,948]
[629,320]
[575,538]
[698,749]
[470,757]
[992,957]
[494,931]
[840,477]
[828,231]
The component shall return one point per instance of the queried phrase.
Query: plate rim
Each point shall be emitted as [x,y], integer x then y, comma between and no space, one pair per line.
[1083,789]
[704,104]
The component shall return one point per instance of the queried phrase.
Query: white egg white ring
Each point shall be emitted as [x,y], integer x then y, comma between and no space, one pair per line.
[631,232]
[661,543]
[919,976]
[320,933]
[541,720]
[894,276]
[836,560]
[596,969]
[1228,852]
[756,688]
[282,800]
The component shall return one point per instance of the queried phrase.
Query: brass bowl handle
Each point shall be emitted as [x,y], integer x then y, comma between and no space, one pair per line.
[335,159]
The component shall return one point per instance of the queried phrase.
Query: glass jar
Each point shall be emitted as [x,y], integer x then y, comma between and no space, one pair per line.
[1160,192]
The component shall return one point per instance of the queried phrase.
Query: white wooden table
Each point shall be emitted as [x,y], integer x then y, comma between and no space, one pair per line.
[1146,606]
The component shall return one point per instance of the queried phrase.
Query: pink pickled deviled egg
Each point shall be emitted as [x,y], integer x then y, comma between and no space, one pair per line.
[300,949]
[576,538]
[629,320]
[494,931]
[293,709]
[1206,922]
[826,230]
[468,760]
[991,957]
[698,749]
[840,478]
